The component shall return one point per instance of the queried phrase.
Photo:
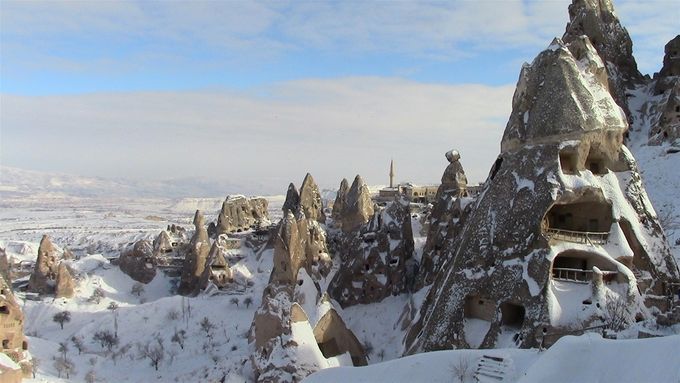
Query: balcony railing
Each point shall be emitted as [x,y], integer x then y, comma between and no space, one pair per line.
[577,275]
[584,237]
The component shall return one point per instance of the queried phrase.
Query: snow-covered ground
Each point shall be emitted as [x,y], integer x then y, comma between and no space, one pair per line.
[587,358]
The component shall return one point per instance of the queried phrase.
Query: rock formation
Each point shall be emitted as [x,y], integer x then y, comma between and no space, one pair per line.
[357,207]
[340,198]
[5,271]
[286,319]
[292,202]
[196,256]
[563,229]
[597,20]
[444,219]
[217,271]
[45,273]
[14,343]
[65,285]
[310,200]
[377,259]
[139,262]
[661,113]
[239,213]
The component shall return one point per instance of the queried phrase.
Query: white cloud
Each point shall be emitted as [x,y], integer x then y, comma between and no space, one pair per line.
[332,128]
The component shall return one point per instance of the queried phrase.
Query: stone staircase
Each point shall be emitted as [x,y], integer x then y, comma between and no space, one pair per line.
[494,369]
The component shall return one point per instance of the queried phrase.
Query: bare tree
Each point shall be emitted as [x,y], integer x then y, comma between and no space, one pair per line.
[618,315]
[65,366]
[106,339]
[155,352]
[234,301]
[96,296]
[248,301]
[113,307]
[137,289]
[172,353]
[172,315]
[78,343]
[461,368]
[62,317]
[90,377]
[207,326]
[179,337]
[63,348]
[35,363]
[669,221]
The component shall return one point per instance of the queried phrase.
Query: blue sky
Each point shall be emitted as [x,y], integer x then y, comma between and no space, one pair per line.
[397,79]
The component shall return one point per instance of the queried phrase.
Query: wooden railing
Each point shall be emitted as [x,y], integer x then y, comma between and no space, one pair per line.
[584,237]
[576,275]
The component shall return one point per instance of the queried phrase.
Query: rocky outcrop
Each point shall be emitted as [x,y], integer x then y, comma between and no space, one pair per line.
[196,257]
[45,273]
[239,213]
[671,59]
[357,207]
[310,200]
[284,323]
[340,198]
[139,262]
[292,202]
[14,344]
[446,217]
[377,259]
[597,20]
[563,206]
[4,266]
[217,271]
[65,285]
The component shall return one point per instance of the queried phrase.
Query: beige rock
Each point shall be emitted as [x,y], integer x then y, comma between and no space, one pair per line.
[195,260]
[310,200]
[65,285]
[340,200]
[239,213]
[292,202]
[139,262]
[358,206]
[14,344]
[45,272]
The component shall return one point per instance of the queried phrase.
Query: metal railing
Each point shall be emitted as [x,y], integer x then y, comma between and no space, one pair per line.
[584,237]
[576,275]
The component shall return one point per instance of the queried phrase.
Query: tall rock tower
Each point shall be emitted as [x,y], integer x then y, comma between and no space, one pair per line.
[391,174]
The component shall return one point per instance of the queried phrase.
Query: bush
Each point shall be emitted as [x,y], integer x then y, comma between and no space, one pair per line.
[106,339]
[137,289]
[96,296]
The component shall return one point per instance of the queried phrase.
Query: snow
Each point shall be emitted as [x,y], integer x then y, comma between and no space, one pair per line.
[586,358]
[475,331]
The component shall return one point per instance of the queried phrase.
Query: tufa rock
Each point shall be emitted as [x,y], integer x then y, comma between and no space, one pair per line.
[239,213]
[289,250]
[65,286]
[292,201]
[196,257]
[358,207]
[562,227]
[377,259]
[45,272]
[597,20]
[14,344]
[139,262]
[310,200]
[340,198]
[671,59]
[444,219]
[5,270]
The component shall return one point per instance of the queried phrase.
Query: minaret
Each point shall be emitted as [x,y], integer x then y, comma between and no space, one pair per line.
[391,174]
